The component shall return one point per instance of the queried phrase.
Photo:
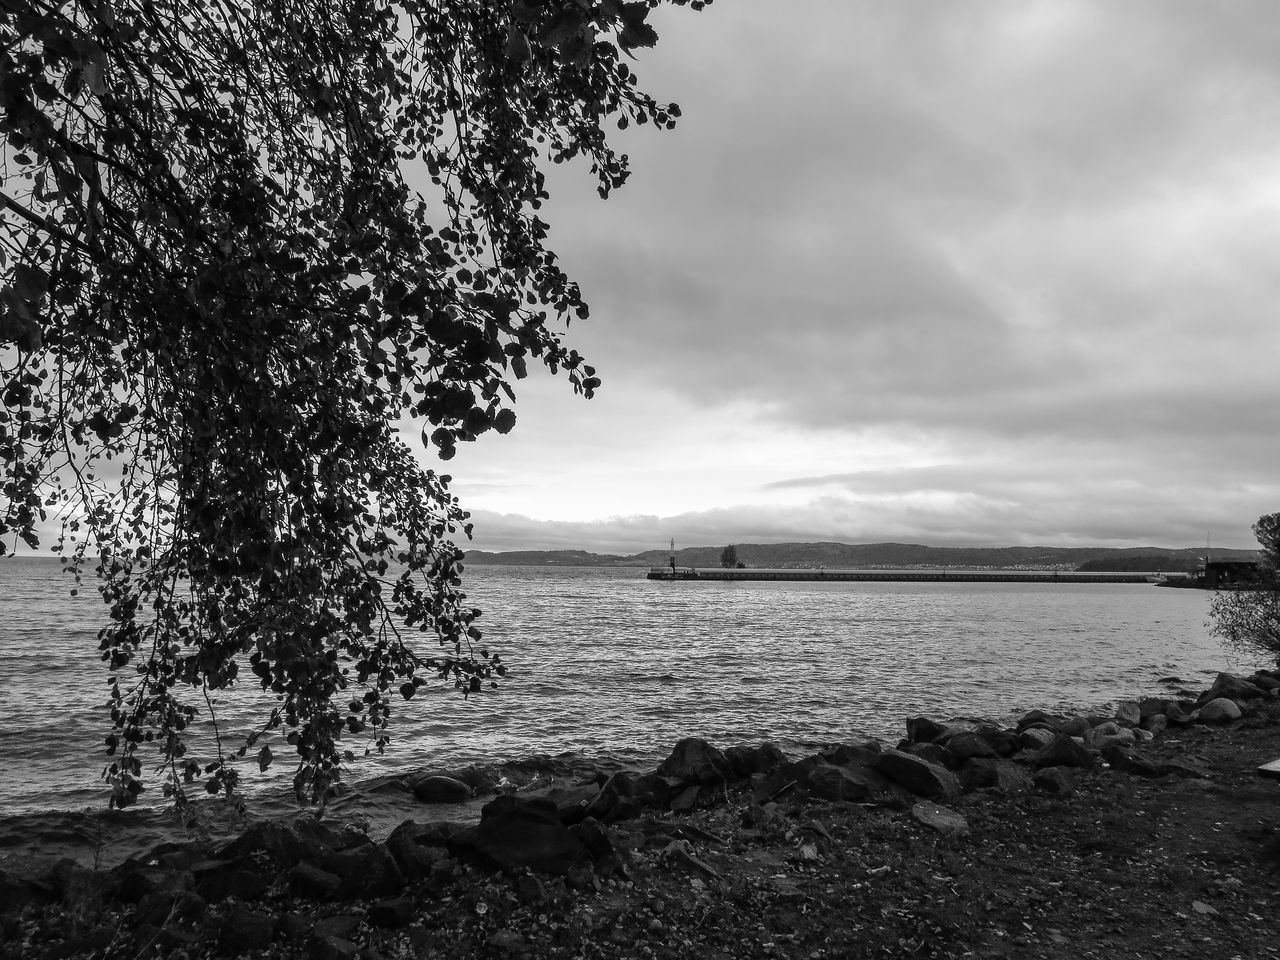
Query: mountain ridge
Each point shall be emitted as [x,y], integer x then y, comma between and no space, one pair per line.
[887,554]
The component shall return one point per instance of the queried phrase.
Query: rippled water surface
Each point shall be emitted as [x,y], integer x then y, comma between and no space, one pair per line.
[608,664]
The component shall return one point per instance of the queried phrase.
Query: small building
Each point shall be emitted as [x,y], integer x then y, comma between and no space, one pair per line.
[1232,574]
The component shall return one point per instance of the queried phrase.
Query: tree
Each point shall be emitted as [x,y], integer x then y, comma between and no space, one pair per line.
[729,556]
[243,244]
[1248,620]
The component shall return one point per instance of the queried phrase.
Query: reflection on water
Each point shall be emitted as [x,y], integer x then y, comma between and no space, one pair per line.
[609,664]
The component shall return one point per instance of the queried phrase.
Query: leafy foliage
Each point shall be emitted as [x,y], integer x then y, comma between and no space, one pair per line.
[1248,621]
[222,295]
[729,556]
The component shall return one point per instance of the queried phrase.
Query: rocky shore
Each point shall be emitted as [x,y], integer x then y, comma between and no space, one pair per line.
[1145,833]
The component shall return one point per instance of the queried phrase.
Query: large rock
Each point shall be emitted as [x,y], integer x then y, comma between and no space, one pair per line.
[693,760]
[1003,742]
[924,730]
[1128,713]
[967,746]
[1038,718]
[1130,761]
[414,858]
[1220,710]
[942,819]
[1035,738]
[515,833]
[1075,726]
[287,843]
[918,775]
[367,872]
[1232,687]
[1156,724]
[244,929]
[1002,776]
[827,781]
[216,880]
[1064,751]
[441,789]
[860,754]
[1059,781]
[744,761]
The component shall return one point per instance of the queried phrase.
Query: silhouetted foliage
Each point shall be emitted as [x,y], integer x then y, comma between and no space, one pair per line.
[729,556]
[1248,620]
[242,243]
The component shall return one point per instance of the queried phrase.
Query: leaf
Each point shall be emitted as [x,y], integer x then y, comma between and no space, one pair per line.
[264,758]
[505,420]
[30,282]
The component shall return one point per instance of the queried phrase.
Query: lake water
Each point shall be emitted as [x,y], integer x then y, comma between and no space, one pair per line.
[606,665]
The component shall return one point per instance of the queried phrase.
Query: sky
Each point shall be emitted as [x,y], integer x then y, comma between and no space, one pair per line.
[960,274]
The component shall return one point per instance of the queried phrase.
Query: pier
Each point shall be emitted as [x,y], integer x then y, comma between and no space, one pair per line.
[948,575]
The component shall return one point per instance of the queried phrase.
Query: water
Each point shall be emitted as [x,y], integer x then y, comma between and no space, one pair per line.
[610,666]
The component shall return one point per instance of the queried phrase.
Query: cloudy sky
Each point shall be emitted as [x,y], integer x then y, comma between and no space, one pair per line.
[983,273]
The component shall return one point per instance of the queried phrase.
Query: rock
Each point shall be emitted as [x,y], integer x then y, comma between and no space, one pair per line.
[693,760]
[530,890]
[573,801]
[599,843]
[1220,710]
[744,761]
[1232,687]
[441,789]
[827,781]
[1152,706]
[685,800]
[216,880]
[367,872]
[1002,776]
[1178,712]
[293,926]
[764,817]
[1038,718]
[245,929]
[1130,761]
[312,883]
[286,843]
[1192,767]
[391,913]
[966,746]
[942,819]
[164,905]
[1064,751]
[1124,737]
[1059,781]
[1003,742]
[138,882]
[1075,726]
[1155,724]
[931,752]
[1035,738]
[414,859]
[924,730]
[1128,713]
[1264,681]
[918,775]
[1108,728]
[1143,736]
[515,833]
[860,754]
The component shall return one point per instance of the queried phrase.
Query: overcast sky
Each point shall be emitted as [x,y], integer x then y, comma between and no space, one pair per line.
[984,273]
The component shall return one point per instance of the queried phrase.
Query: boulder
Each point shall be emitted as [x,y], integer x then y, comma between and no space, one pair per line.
[415,859]
[599,843]
[1188,766]
[967,746]
[1232,687]
[931,752]
[860,754]
[1143,736]
[1059,781]
[367,872]
[1003,742]
[1128,713]
[1109,733]
[1265,681]
[918,775]
[744,761]
[1130,761]
[311,883]
[693,760]
[216,880]
[924,730]
[438,788]
[391,913]
[1155,724]
[1220,710]
[1038,718]
[1002,776]
[1064,751]
[1152,706]
[942,819]
[826,781]
[1035,738]
[286,843]
[515,833]
[1178,712]
[1075,726]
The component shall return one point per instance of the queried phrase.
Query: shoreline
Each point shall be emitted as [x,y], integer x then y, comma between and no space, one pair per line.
[948,844]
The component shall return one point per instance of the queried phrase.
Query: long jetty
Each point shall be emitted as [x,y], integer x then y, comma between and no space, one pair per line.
[947,575]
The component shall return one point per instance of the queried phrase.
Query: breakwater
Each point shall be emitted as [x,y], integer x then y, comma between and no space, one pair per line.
[680,574]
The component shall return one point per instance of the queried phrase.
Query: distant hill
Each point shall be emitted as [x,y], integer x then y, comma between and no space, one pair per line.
[889,555]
